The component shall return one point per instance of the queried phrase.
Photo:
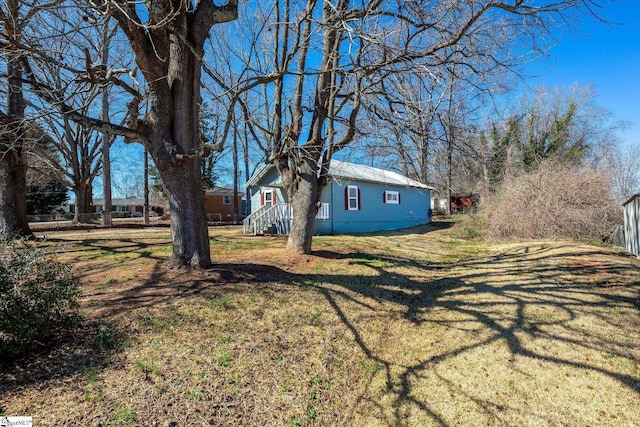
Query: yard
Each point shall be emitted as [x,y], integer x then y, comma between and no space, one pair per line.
[411,328]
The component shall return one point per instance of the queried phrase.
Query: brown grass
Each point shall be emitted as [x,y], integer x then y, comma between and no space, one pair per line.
[412,328]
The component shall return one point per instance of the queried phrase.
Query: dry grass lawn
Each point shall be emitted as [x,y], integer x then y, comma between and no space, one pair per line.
[411,328]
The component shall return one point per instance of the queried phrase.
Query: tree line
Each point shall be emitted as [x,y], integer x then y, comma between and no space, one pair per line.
[405,83]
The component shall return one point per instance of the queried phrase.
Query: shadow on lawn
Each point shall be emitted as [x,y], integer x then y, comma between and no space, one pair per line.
[85,350]
[478,290]
[567,291]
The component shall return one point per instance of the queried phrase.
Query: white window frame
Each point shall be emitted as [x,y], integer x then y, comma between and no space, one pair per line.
[271,195]
[392,197]
[226,200]
[354,198]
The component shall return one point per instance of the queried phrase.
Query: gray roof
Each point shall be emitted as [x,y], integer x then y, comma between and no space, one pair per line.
[346,170]
[351,171]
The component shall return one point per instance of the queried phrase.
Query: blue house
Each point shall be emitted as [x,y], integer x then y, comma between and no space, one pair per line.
[356,199]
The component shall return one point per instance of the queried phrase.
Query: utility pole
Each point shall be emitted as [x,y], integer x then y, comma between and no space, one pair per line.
[146,187]
[106,138]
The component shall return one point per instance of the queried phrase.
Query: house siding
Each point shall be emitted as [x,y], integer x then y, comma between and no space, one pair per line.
[632,225]
[265,184]
[374,214]
[216,210]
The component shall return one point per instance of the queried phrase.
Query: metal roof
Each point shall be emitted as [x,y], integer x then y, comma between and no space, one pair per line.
[351,171]
[339,169]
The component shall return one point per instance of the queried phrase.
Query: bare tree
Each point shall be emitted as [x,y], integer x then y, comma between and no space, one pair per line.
[14,18]
[167,41]
[332,57]
[552,125]
[107,32]
[77,157]
[625,172]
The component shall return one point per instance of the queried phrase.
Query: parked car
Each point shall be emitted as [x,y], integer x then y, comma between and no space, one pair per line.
[136,214]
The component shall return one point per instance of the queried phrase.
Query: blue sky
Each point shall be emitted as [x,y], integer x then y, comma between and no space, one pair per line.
[604,55]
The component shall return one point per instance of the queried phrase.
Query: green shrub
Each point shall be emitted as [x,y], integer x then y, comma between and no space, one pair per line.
[38,298]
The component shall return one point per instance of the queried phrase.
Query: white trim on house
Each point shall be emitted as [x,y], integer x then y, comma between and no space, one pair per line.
[352,197]
[392,197]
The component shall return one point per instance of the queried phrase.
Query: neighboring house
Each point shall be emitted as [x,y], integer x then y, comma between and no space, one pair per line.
[632,224]
[218,204]
[356,199]
[128,205]
[132,205]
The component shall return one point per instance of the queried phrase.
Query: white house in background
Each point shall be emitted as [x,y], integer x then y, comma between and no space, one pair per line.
[128,205]
[632,224]
[357,198]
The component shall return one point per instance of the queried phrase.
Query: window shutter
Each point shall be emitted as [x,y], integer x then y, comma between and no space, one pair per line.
[399,200]
[261,198]
[346,198]
[359,205]
[384,197]
[273,197]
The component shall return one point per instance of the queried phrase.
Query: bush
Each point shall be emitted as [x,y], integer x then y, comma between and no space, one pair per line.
[38,298]
[556,201]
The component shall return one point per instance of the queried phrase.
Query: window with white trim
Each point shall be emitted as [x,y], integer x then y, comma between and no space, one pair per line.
[353,201]
[268,198]
[226,200]
[392,197]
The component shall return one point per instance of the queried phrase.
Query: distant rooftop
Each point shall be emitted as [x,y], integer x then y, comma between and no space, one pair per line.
[221,191]
[131,201]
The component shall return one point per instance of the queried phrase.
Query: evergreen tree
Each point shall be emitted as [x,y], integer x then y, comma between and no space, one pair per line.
[43,199]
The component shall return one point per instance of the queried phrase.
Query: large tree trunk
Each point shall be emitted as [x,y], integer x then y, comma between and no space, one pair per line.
[13,159]
[180,171]
[305,204]
[13,193]
[168,52]
[183,183]
[84,195]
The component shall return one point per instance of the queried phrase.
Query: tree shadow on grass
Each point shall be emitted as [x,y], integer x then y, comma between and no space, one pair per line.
[87,348]
[515,296]
[478,292]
